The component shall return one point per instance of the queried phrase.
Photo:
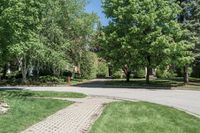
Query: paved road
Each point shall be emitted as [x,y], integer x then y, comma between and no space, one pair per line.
[182,99]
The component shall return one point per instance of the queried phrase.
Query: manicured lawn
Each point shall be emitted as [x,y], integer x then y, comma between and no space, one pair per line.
[142,83]
[167,83]
[25,111]
[21,93]
[78,81]
[141,117]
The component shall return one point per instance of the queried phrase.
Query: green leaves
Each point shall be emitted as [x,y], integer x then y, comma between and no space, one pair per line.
[144,33]
[45,32]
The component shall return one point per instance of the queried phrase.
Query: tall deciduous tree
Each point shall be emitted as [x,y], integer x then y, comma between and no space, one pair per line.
[20,21]
[40,33]
[144,33]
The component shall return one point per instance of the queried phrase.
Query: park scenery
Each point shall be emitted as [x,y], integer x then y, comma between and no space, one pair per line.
[99,66]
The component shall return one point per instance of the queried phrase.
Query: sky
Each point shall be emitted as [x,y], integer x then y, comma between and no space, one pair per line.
[95,6]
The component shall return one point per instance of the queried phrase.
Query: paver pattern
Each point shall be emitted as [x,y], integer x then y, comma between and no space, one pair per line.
[76,118]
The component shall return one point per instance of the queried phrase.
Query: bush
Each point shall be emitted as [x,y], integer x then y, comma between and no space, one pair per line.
[118,75]
[196,71]
[67,73]
[50,79]
[165,73]
[140,73]
[102,69]
[89,65]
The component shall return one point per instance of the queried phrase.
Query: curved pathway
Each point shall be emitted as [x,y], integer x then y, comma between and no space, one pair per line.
[76,118]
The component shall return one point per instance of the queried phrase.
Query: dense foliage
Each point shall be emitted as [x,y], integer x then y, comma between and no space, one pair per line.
[43,35]
[145,34]
[190,18]
[42,39]
[102,69]
[89,64]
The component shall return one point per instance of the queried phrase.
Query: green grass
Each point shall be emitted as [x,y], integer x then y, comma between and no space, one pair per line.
[21,93]
[156,83]
[141,117]
[78,81]
[24,110]
[142,82]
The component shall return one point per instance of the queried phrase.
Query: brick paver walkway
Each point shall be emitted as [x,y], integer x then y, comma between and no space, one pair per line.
[76,118]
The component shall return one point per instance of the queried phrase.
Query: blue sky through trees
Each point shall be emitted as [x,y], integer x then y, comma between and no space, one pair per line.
[95,6]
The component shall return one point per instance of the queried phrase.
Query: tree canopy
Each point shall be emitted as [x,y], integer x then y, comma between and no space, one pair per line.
[44,33]
[144,33]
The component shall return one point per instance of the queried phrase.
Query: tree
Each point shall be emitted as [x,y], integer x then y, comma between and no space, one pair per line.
[20,21]
[144,33]
[44,33]
[190,19]
[70,30]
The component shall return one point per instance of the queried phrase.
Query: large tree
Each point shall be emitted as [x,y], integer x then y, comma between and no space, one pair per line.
[20,21]
[144,33]
[44,33]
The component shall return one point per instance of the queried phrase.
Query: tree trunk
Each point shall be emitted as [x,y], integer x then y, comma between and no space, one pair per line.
[148,75]
[24,70]
[186,75]
[109,71]
[5,69]
[128,74]
[148,69]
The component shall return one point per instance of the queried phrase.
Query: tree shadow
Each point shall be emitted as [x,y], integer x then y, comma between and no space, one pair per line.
[133,84]
[194,82]
[15,93]
[10,89]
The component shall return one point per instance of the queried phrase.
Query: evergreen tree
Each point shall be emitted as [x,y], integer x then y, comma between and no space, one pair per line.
[193,24]
[190,19]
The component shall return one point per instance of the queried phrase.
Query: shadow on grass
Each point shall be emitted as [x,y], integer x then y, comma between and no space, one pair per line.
[133,84]
[193,82]
[166,84]
[9,89]
[15,93]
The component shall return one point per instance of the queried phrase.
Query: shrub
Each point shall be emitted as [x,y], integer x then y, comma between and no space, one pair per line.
[89,65]
[140,73]
[50,79]
[164,73]
[102,69]
[67,73]
[117,75]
